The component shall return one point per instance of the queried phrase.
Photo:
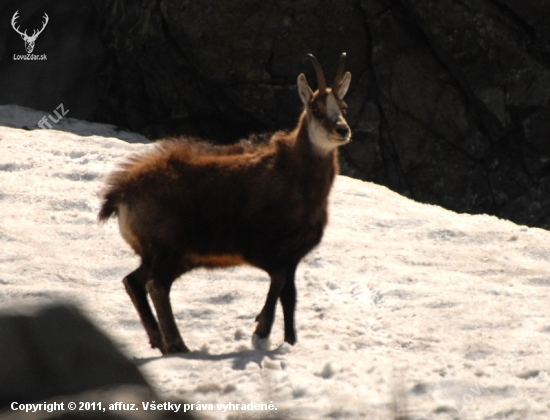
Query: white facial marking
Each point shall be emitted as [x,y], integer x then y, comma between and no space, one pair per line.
[320,138]
[333,110]
[318,135]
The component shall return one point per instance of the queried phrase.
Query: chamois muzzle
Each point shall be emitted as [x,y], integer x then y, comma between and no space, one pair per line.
[342,130]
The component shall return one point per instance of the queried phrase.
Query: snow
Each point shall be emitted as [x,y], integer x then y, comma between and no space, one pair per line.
[403,304]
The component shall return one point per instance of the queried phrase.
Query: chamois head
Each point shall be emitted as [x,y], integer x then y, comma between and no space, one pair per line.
[325,108]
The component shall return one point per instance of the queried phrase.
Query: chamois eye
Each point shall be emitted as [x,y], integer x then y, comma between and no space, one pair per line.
[316,112]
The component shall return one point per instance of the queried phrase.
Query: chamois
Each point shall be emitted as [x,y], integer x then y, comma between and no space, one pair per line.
[186,205]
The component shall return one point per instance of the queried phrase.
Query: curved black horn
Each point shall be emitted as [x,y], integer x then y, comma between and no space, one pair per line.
[340,72]
[321,84]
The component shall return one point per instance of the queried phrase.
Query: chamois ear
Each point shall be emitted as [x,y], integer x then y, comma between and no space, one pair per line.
[304,90]
[344,85]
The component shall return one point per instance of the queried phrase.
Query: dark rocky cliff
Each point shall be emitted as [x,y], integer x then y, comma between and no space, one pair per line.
[449,100]
[75,57]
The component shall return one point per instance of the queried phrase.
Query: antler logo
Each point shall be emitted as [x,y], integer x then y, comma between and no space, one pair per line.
[29,40]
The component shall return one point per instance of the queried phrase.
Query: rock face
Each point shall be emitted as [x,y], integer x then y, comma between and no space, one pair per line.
[449,101]
[220,69]
[459,112]
[53,354]
[49,351]
[73,51]
[449,98]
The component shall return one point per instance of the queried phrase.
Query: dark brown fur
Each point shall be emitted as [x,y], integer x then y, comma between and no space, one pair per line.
[187,205]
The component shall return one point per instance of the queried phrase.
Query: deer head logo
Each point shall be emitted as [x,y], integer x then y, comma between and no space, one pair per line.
[29,40]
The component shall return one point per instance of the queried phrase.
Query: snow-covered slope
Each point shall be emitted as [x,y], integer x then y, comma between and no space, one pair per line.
[445,313]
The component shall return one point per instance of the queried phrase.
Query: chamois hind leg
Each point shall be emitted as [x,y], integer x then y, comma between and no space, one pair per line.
[267,314]
[288,300]
[159,291]
[134,283]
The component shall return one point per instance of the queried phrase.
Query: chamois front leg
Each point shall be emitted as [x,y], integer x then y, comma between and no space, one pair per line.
[171,338]
[266,316]
[134,283]
[288,300]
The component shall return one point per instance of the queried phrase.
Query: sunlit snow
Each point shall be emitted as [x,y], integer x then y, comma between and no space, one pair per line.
[445,314]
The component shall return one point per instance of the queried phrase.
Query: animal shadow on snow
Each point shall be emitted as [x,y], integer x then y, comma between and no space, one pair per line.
[241,358]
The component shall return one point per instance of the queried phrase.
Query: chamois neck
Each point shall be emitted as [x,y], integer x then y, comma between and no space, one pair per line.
[315,169]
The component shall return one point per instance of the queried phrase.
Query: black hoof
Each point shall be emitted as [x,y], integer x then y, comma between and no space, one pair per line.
[290,339]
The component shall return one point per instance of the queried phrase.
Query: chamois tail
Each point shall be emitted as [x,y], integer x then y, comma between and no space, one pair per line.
[113,192]
[111,199]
